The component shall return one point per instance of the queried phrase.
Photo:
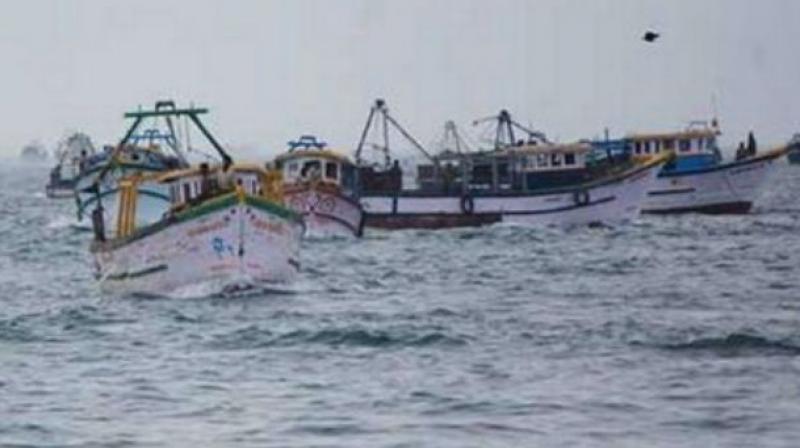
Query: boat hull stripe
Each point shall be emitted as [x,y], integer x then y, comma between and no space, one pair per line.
[136,274]
[669,192]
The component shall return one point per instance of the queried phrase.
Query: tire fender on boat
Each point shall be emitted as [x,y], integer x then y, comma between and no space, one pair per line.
[467,204]
[581,197]
[361,224]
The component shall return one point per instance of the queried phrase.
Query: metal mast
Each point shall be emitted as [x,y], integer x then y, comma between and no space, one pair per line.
[379,117]
[504,130]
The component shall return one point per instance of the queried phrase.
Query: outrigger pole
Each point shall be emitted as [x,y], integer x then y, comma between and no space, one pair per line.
[504,133]
[380,109]
[166,109]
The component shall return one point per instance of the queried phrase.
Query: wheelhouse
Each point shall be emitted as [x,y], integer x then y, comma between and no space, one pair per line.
[520,168]
[308,160]
[693,141]
[191,185]
[186,188]
[694,148]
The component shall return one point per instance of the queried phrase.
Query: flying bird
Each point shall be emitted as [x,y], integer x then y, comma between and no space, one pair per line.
[650,36]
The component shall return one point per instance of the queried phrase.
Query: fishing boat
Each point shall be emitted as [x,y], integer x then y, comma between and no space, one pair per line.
[33,152]
[531,181]
[74,154]
[150,145]
[223,227]
[699,180]
[320,184]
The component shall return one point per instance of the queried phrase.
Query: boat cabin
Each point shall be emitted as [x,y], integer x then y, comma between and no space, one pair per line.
[310,160]
[694,149]
[692,141]
[525,167]
[146,199]
[190,185]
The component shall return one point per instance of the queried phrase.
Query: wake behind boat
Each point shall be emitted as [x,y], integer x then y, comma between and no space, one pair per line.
[531,181]
[222,227]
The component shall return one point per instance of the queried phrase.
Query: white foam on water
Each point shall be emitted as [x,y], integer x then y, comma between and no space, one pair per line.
[228,289]
[64,221]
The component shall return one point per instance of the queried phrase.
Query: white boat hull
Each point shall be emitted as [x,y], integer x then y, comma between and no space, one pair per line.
[326,213]
[611,202]
[234,245]
[728,188]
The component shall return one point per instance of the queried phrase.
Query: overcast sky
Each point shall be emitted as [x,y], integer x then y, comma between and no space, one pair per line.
[271,70]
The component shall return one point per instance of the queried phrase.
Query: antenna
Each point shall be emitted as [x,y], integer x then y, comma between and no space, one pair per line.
[714,112]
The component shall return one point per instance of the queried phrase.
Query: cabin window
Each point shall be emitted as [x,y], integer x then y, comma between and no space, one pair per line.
[542,161]
[291,169]
[637,147]
[700,143]
[646,148]
[173,193]
[669,145]
[556,160]
[569,159]
[254,184]
[529,162]
[657,146]
[685,145]
[332,171]
[187,192]
[311,168]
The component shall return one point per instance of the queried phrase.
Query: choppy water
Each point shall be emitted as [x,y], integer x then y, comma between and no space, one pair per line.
[677,331]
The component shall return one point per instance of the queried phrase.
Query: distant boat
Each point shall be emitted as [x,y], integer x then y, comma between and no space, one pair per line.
[223,227]
[153,149]
[698,180]
[320,184]
[33,152]
[794,150]
[528,181]
[73,155]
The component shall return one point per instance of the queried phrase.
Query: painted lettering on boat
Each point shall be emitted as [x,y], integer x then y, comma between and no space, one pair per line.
[199,230]
[312,201]
[270,227]
[220,247]
[222,267]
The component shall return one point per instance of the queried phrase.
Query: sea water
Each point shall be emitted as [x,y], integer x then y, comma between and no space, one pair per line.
[671,331]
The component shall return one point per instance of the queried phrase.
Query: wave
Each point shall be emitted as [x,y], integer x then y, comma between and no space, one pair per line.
[67,222]
[255,337]
[735,344]
[50,326]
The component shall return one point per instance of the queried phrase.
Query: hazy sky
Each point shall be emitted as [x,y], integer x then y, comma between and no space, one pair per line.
[271,70]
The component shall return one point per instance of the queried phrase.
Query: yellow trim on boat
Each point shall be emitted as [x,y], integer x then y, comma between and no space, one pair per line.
[272,186]
[310,153]
[128,196]
[691,133]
